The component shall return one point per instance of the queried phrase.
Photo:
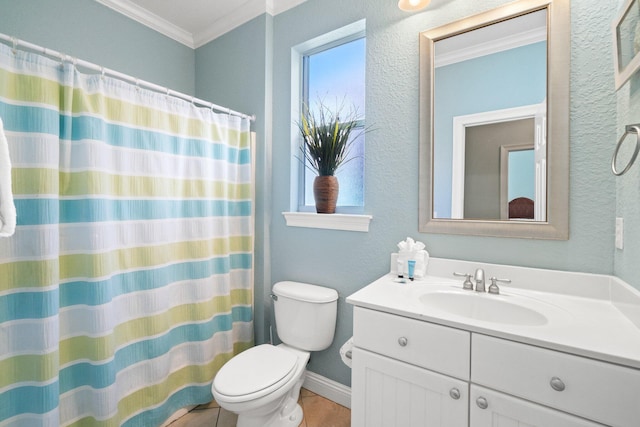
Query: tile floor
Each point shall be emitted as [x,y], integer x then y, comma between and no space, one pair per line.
[318,412]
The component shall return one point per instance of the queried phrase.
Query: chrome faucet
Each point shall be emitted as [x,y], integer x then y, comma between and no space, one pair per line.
[493,288]
[479,279]
[468,284]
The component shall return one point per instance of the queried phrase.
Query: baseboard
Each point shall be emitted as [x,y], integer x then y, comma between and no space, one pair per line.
[332,390]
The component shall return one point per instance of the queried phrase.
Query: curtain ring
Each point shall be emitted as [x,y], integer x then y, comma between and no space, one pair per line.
[14,42]
[628,131]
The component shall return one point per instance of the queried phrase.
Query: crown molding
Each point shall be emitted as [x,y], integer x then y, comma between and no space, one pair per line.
[246,13]
[242,15]
[274,7]
[494,46]
[224,24]
[151,20]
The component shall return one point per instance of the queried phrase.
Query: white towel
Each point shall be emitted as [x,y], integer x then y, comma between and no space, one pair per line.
[7,208]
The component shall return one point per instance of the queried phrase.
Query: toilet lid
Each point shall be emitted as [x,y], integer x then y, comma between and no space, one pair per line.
[253,370]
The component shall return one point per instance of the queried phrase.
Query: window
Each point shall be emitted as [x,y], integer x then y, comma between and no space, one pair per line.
[332,70]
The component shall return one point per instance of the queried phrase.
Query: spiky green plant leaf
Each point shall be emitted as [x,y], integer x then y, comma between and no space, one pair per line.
[325,138]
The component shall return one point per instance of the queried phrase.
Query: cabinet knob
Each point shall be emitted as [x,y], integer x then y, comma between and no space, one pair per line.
[557,384]
[403,341]
[482,403]
[454,393]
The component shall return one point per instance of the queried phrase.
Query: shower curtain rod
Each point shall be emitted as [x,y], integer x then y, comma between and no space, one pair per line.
[169,92]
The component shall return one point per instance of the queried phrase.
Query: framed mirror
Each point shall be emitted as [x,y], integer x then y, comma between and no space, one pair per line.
[626,42]
[494,123]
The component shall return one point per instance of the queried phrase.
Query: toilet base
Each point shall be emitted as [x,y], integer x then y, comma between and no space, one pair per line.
[289,415]
[276,420]
[294,419]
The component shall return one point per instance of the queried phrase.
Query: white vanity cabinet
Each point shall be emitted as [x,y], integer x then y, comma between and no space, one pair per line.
[603,392]
[404,372]
[407,372]
[490,408]
[386,392]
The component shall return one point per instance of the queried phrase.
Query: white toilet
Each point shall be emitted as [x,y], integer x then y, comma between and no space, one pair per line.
[262,384]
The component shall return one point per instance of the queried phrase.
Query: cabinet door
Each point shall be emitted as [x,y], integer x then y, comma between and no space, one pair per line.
[493,409]
[587,388]
[388,393]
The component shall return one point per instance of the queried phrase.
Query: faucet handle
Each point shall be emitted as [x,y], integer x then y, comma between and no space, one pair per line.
[467,285]
[493,288]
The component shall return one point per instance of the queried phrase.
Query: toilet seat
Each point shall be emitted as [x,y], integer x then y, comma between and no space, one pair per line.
[245,378]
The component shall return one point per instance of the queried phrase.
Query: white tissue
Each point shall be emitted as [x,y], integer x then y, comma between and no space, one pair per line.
[412,250]
[410,245]
[345,352]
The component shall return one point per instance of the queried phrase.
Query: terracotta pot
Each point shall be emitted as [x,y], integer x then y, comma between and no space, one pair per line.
[325,191]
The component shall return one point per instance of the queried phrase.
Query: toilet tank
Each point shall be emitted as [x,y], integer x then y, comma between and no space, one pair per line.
[305,314]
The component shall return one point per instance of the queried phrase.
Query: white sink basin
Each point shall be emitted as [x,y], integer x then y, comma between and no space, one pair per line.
[484,307]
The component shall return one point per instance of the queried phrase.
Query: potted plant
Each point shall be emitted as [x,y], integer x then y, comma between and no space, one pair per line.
[326,146]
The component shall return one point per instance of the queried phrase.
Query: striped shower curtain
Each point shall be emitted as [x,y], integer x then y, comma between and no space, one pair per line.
[129,281]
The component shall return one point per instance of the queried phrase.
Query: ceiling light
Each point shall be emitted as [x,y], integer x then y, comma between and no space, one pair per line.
[413,5]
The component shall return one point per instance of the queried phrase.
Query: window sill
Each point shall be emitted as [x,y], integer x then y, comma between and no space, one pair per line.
[346,222]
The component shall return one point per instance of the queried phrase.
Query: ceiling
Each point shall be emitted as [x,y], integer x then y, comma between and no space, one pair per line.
[196,22]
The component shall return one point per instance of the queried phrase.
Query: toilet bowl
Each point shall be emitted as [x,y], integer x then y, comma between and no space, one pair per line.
[262,384]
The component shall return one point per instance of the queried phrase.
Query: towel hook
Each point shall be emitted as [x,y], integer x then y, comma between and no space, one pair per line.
[629,129]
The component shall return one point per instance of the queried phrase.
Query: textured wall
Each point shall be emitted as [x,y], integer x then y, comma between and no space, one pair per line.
[627,266]
[348,261]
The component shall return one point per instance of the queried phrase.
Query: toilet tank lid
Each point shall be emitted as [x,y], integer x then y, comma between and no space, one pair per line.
[305,292]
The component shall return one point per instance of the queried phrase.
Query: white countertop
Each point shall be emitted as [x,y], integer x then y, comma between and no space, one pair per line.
[598,325]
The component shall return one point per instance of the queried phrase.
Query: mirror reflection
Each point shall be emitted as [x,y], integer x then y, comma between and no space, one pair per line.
[489,122]
[494,123]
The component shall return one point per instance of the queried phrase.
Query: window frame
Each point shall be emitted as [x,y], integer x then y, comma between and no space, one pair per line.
[300,93]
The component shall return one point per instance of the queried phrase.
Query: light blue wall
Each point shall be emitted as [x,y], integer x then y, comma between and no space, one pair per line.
[324,257]
[522,175]
[235,71]
[474,86]
[627,266]
[348,261]
[95,33]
